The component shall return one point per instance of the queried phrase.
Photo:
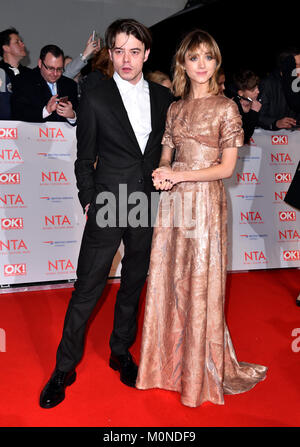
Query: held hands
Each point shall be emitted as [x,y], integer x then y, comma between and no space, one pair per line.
[164,178]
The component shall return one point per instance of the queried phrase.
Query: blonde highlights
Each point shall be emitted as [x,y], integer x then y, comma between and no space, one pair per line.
[192,41]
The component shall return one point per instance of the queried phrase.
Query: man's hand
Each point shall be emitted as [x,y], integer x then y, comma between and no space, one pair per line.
[65,109]
[286,123]
[52,104]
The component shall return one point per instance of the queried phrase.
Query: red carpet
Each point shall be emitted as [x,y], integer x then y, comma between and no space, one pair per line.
[261,315]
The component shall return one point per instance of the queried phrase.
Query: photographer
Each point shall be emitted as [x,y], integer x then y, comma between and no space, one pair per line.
[244,91]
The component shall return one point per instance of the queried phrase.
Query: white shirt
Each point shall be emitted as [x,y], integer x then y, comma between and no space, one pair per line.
[136,100]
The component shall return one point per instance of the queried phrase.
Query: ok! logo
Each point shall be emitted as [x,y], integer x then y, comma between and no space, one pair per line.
[280,139]
[287,216]
[9,178]
[8,133]
[12,223]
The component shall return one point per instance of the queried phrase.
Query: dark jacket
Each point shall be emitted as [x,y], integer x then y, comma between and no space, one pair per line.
[293,195]
[6,93]
[104,132]
[291,83]
[249,120]
[31,94]
[5,96]
[274,102]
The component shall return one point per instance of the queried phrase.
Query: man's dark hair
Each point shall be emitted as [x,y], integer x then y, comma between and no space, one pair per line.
[53,49]
[129,27]
[5,38]
[245,80]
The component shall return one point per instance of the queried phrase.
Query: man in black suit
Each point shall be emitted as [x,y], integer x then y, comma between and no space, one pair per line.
[44,94]
[12,51]
[120,122]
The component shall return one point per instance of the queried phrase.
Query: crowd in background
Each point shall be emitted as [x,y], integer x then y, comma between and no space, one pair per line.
[52,90]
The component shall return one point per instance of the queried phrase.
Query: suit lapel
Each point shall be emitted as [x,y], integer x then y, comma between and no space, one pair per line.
[121,113]
[154,105]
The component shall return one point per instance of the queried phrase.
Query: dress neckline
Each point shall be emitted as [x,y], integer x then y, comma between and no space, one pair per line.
[202,97]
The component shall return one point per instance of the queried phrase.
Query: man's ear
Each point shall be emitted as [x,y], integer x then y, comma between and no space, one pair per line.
[110,54]
[40,63]
[240,93]
[147,52]
[5,48]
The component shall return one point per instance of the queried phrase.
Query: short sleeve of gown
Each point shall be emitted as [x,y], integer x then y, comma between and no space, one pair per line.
[231,131]
[167,139]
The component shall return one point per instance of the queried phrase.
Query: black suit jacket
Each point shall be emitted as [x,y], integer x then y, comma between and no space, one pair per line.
[31,93]
[5,96]
[104,132]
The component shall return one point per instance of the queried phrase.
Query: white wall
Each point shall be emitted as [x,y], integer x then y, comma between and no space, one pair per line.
[68,23]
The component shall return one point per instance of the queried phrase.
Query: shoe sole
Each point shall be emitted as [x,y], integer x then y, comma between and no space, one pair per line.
[116,367]
[69,382]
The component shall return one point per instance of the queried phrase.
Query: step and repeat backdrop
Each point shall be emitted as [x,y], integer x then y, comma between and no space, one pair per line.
[42,221]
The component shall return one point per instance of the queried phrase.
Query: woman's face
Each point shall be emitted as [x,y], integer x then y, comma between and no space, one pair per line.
[200,65]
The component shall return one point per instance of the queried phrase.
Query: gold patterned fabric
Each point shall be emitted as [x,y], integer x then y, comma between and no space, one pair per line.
[186,346]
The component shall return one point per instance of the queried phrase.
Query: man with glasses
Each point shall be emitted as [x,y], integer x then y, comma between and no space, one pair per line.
[44,94]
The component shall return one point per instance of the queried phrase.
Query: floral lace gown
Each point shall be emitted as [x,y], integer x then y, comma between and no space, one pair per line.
[186,346]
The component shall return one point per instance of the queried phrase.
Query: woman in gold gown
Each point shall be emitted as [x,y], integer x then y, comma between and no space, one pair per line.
[186,346]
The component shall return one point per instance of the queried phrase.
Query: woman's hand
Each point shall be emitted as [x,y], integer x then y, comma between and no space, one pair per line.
[164,178]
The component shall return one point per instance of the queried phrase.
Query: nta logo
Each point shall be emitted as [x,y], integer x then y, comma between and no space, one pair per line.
[54,176]
[251,216]
[247,177]
[280,157]
[13,245]
[254,256]
[12,155]
[11,200]
[289,235]
[50,132]
[60,265]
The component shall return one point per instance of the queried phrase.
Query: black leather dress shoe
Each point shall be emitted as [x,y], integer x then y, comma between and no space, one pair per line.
[54,391]
[128,369]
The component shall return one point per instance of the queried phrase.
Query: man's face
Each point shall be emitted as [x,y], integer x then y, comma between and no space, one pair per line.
[16,47]
[51,68]
[128,57]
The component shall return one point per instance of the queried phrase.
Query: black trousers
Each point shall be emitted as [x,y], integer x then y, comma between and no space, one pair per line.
[98,248]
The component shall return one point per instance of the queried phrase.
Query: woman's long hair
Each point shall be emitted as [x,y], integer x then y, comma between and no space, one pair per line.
[181,83]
